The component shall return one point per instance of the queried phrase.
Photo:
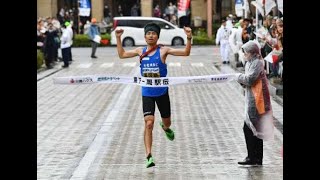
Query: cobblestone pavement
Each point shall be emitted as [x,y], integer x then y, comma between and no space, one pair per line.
[96,131]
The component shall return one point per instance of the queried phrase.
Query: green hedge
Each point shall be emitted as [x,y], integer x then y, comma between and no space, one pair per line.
[40,59]
[200,37]
[215,27]
[203,40]
[82,40]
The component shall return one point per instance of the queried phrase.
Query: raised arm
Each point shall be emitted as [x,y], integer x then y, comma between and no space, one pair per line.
[186,50]
[121,52]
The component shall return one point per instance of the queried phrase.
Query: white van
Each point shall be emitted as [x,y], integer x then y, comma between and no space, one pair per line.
[133,34]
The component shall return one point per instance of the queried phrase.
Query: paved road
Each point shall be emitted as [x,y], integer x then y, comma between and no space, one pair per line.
[96,131]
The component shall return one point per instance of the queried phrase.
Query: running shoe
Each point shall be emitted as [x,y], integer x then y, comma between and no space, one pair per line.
[169,132]
[149,162]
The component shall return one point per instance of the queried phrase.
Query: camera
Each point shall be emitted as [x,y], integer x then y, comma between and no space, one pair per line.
[239,64]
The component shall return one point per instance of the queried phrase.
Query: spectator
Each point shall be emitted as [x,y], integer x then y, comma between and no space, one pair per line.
[172,10]
[71,34]
[174,20]
[246,31]
[93,32]
[61,15]
[235,41]
[166,14]
[263,32]
[51,47]
[157,11]
[56,24]
[106,11]
[86,27]
[222,38]
[65,45]
[258,123]
[120,13]
[134,10]
[40,36]
[229,21]
[278,58]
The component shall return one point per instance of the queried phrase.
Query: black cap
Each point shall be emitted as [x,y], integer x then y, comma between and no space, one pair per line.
[152,27]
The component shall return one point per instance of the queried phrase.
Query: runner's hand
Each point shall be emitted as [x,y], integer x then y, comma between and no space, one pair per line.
[119,32]
[188,31]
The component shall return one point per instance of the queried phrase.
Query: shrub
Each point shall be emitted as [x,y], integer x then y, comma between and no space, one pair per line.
[40,58]
[199,31]
[200,37]
[215,27]
[202,40]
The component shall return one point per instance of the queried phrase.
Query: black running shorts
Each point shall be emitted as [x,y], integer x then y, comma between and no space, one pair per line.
[163,103]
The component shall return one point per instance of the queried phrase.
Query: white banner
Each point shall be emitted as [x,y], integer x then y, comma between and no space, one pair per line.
[239,7]
[84,11]
[144,81]
[264,6]
[246,6]
[259,5]
[183,6]
[84,8]
[269,4]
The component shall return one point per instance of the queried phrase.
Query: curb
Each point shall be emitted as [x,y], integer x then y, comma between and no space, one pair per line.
[43,72]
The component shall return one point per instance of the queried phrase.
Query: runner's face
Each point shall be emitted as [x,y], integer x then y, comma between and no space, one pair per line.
[151,37]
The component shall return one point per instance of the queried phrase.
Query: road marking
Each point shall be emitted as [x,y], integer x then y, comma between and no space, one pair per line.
[104,135]
[197,64]
[131,64]
[106,65]
[84,65]
[174,64]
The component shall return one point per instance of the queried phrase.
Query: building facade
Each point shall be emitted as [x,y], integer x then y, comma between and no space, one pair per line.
[220,8]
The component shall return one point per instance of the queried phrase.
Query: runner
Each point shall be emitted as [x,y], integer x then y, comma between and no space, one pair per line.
[153,64]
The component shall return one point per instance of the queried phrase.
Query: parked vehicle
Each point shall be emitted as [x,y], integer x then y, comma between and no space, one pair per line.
[133,34]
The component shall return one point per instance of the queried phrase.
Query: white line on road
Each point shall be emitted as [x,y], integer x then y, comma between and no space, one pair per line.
[131,64]
[84,65]
[174,64]
[106,65]
[197,64]
[103,137]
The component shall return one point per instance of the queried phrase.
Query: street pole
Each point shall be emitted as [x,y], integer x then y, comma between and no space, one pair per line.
[245,8]
[78,16]
[209,18]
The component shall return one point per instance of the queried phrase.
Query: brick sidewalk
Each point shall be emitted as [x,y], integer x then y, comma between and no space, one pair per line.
[96,131]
